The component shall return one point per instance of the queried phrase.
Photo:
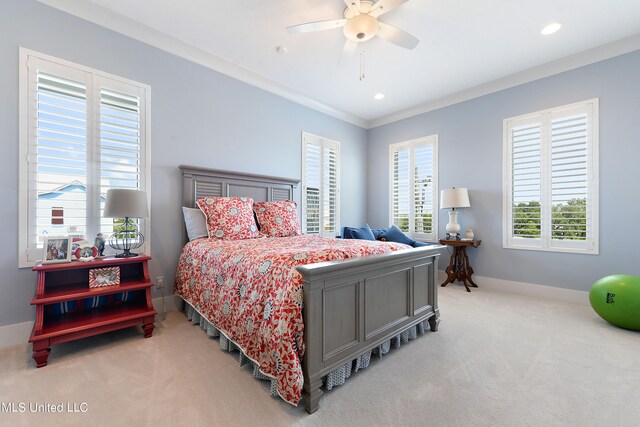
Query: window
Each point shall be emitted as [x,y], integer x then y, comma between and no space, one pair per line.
[320,185]
[414,187]
[551,180]
[81,132]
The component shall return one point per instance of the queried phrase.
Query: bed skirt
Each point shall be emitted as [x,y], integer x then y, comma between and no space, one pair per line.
[335,378]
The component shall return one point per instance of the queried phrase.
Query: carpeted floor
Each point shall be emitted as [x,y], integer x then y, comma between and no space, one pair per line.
[497,360]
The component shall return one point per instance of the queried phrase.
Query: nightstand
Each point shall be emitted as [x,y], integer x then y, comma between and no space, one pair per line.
[459,268]
[68,309]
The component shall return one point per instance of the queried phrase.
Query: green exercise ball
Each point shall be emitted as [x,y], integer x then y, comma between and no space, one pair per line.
[617,300]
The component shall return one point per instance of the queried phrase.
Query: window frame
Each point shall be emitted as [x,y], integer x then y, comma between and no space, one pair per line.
[26,214]
[546,243]
[321,140]
[411,145]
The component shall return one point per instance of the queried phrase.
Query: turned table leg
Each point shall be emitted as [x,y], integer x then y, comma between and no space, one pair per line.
[41,351]
[452,270]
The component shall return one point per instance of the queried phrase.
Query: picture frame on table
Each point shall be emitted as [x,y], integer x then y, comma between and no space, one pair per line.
[86,252]
[57,249]
[107,276]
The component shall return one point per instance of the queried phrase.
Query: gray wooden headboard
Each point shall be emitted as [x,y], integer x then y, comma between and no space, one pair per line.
[202,182]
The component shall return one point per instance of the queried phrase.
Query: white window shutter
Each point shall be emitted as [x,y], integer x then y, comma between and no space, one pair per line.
[311,185]
[551,173]
[401,190]
[320,185]
[526,190]
[569,160]
[414,187]
[121,154]
[81,132]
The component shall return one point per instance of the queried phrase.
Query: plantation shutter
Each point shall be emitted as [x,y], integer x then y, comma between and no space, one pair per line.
[57,155]
[569,178]
[413,187]
[320,185]
[423,194]
[82,132]
[330,194]
[401,189]
[121,151]
[526,191]
[551,171]
[312,183]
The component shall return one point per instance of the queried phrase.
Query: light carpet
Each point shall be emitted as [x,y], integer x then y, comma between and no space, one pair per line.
[497,360]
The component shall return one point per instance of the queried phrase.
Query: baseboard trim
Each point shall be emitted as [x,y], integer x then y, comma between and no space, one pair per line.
[19,333]
[172,303]
[528,289]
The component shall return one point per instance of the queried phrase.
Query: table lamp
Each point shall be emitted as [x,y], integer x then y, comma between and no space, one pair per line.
[454,198]
[126,204]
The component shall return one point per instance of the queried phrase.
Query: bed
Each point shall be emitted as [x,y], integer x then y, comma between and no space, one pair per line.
[330,315]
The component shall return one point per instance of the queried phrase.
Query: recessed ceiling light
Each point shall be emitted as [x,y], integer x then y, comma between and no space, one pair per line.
[378,96]
[551,28]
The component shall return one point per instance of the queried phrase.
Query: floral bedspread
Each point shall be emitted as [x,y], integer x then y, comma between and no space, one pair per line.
[251,291]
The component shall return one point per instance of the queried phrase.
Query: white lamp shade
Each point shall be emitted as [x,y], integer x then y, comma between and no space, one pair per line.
[454,198]
[123,203]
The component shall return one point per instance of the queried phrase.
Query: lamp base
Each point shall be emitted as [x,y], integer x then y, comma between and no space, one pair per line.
[125,254]
[453,227]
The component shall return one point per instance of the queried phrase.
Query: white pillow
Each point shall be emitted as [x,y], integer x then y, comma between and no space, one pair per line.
[195,222]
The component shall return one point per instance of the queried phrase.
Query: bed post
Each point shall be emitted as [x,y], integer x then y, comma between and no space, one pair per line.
[433,297]
[312,360]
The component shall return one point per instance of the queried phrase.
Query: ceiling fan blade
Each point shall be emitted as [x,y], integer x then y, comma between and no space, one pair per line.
[316,26]
[384,6]
[354,5]
[397,36]
[349,47]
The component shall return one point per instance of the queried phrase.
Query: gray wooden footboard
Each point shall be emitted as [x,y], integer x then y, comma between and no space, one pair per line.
[352,306]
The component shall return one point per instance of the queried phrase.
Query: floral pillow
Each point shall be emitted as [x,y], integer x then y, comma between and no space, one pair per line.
[278,219]
[229,218]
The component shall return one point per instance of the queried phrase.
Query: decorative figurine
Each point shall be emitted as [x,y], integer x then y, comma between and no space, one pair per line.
[469,234]
[100,242]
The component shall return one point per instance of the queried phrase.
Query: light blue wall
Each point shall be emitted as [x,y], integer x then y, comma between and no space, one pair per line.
[201,117]
[198,117]
[470,155]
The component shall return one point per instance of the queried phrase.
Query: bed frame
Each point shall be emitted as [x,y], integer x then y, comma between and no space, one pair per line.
[350,306]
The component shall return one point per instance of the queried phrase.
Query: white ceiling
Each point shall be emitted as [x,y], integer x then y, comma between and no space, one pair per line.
[463,44]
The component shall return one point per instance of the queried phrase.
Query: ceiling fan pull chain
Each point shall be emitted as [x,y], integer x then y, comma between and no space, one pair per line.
[362,65]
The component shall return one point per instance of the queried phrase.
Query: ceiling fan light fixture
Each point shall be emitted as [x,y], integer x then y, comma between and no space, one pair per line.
[361,28]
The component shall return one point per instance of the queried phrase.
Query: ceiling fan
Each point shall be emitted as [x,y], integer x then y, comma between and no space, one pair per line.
[360,23]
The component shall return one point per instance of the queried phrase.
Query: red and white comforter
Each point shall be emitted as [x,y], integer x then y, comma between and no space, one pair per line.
[251,291]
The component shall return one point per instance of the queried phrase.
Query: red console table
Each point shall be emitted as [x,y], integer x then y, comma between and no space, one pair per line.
[61,286]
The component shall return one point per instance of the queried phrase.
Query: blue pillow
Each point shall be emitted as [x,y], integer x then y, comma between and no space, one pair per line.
[363,233]
[377,232]
[394,234]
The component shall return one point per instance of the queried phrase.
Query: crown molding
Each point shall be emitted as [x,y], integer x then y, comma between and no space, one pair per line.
[597,54]
[106,18]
